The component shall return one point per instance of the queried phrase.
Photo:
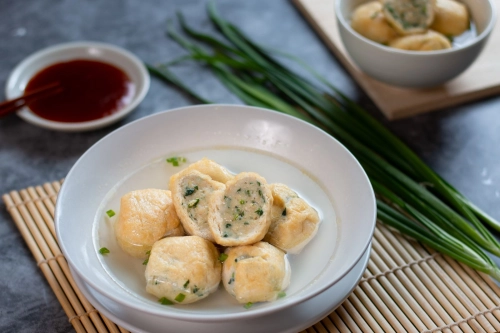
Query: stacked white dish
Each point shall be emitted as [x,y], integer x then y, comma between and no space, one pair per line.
[280,148]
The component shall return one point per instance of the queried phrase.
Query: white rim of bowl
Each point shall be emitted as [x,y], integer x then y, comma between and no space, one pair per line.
[484,34]
[34,119]
[244,315]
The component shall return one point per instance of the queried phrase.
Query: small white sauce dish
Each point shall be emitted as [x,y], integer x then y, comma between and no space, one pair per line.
[414,69]
[107,53]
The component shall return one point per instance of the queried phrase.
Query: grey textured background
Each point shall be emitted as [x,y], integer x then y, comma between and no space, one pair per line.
[461,143]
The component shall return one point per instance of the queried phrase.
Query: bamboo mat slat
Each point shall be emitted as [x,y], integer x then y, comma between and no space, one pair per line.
[405,288]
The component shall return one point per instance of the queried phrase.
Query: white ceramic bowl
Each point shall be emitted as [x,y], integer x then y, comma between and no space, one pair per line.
[123,59]
[414,69]
[279,147]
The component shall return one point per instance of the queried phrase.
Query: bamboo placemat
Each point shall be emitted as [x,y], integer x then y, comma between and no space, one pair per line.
[478,81]
[405,288]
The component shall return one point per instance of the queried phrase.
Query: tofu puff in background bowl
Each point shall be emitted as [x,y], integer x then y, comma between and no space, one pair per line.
[419,54]
[313,164]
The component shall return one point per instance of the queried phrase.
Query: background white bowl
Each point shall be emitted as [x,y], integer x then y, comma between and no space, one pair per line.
[136,148]
[414,69]
[123,59]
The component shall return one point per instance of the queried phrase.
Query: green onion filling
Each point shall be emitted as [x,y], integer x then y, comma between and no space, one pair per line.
[193,203]
[190,190]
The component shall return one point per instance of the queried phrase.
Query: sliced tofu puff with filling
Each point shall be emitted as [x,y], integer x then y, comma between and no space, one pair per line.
[409,16]
[212,169]
[191,191]
[255,273]
[145,216]
[183,269]
[240,213]
[293,221]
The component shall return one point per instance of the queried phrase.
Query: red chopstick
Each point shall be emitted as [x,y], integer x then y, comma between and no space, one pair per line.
[13,105]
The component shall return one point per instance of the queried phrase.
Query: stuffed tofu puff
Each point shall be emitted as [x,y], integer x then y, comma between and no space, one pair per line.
[293,222]
[191,191]
[255,273]
[430,41]
[369,21]
[145,216]
[183,269]
[240,214]
[451,18]
[212,169]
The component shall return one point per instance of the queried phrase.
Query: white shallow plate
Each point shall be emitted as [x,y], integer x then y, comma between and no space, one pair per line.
[290,320]
[121,58]
[281,148]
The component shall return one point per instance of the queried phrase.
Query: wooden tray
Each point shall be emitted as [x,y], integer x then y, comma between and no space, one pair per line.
[406,287]
[480,80]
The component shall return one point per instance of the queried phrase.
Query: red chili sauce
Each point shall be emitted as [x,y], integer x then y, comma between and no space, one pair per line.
[90,90]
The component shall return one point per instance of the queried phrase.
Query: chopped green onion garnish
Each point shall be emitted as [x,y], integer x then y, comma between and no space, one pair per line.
[259,211]
[186,284]
[176,161]
[145,262]
[110,213]
[281,294]
[248,305]
[165,301]
[223,257]
[179,298]
[103,250]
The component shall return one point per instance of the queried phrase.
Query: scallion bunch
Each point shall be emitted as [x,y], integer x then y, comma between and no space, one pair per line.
[435,213]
